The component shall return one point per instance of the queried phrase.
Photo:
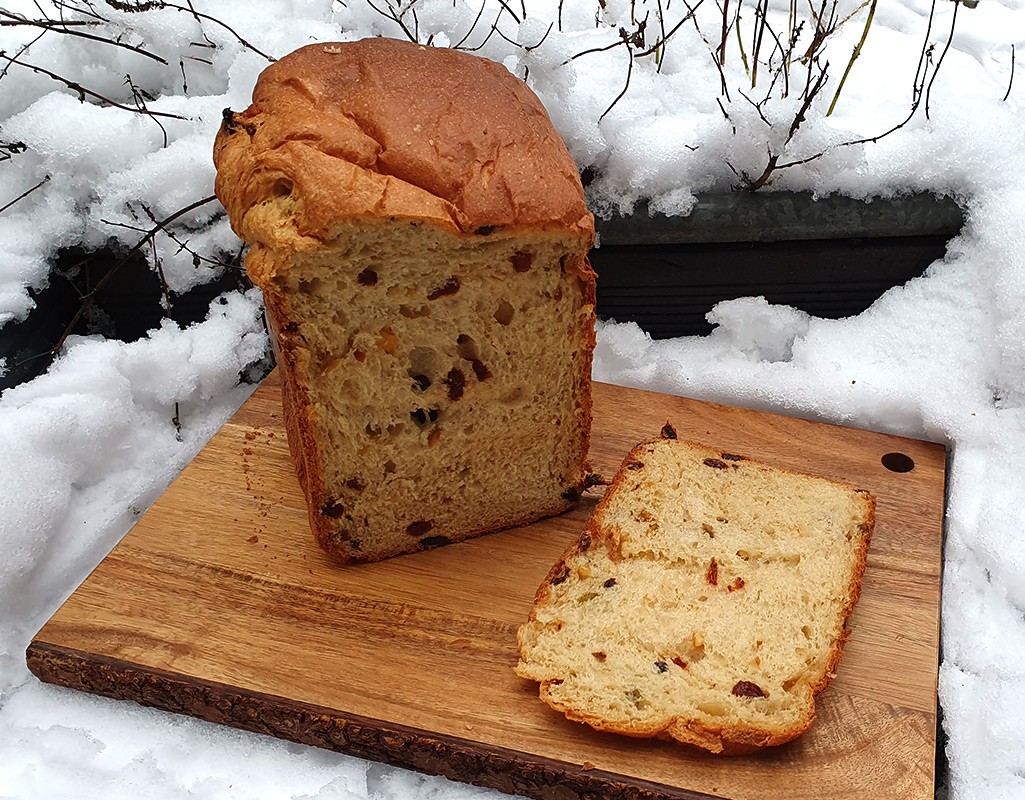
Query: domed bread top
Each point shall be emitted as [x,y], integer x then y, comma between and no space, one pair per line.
[347,131]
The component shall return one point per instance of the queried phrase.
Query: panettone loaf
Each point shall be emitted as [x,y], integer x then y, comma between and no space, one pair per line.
[420,235]
[707,600]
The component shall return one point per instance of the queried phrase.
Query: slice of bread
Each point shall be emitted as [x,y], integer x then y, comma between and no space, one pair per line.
[706,601]
[420,235]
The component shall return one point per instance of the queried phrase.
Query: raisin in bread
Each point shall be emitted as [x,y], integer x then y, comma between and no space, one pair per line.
[706,601]
[420,235]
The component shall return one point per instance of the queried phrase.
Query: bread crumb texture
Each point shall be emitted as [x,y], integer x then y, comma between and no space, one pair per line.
[440,392]
[706,602]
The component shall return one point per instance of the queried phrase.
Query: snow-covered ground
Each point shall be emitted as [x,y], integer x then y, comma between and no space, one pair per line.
[91,443]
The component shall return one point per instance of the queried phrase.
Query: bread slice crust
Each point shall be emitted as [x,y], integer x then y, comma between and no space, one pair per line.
[601,547]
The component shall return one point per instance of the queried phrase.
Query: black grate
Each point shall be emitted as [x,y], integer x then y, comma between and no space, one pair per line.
[668,289]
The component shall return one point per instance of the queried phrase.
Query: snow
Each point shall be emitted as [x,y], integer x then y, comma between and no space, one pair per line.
[90,444]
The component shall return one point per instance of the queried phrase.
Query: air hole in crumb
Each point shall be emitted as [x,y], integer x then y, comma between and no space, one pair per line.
[283,188]
[333,509]
[422,416]
[389,467]
[467,347]
[898,462]
[806,631]
[424,361]
[504,313]
[449,287]
[419,528]
[373,431]
[309,285]
[521,261]
[367,277]
[420,382]
[414,312]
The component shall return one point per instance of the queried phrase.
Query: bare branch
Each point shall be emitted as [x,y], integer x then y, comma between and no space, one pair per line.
[23,195]
[120,5]
[691,10]
[395,17]
[83,92]
[88,298]
[629,72]
[854,56]
[140,102]
[62,27]
[594,50]
[528,48]
[476,19]
[943,54]
[1011,81]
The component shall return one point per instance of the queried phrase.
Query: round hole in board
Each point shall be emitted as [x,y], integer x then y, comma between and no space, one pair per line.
[898,462]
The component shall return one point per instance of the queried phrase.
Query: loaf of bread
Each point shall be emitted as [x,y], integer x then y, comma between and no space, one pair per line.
[420,235]
[706,601]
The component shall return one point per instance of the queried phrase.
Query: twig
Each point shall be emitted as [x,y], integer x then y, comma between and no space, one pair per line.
[629,72]
[88,298]
[660,52]
[120,5]
[83,92]
[923,56]
[494,27]
[10,149]
[140,101]
[756,46]
[22,49]
[528,48]
[740,45]
[725,32]
[512,13]
[691,10]
[594,50]
[757,107]
[943,54]
[62,27]
[854,56]
[23,195]
[1011,81]
[473,27]
[69,23]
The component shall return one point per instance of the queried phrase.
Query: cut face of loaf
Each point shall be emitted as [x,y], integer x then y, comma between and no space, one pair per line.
[706,601]
[436,386]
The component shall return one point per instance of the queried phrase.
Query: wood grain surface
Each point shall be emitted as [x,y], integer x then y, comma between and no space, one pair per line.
[219,604]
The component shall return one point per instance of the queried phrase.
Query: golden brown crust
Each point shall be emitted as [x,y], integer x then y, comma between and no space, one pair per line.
[722,739]
[347,131]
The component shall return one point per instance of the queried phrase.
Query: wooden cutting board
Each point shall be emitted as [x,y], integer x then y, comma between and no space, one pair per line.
[219,604]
